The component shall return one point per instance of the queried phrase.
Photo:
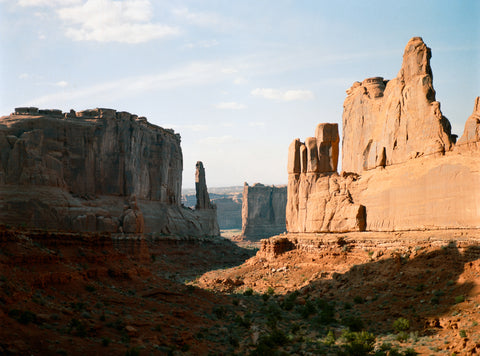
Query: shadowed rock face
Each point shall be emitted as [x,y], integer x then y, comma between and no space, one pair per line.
[402,169]
[203,200]
[390,122]
[95,153]
[263,210]
[94,170]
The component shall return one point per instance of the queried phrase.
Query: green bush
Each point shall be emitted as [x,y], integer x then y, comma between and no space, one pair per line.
[401,324]
[353,323]
[459,299]
[23,316]
[308,309]
[358,343]
[248,292]
[462,333]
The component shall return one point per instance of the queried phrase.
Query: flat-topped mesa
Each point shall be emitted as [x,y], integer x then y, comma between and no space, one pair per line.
[263,210]
[203,199]
[471,134]
[390,122]
[94,170]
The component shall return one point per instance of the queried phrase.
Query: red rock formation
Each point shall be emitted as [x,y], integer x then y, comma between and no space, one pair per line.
[95,170]
[319,199]
[390,122]
[385,125]
[471,134]
[263,210]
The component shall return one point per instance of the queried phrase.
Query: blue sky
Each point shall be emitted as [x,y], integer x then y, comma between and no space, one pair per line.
[239,80]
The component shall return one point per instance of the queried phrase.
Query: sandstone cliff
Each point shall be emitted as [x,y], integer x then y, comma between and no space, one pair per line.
[388,122]
[263,210]
[319,199]
[471,135]
[228,201]
[94,170]
[401,167]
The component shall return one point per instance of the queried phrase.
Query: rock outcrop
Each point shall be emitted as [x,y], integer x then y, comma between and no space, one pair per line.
[263,210]
[203,200]
[471,135]
[94,170]
[401,167]
[228,201]
[318,198]
[389,122]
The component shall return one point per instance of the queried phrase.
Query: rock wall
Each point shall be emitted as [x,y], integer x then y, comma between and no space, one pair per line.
[94,170]
[263,210]
[318,198]
[389,122]
[401,167]
[228,204]
[471,135]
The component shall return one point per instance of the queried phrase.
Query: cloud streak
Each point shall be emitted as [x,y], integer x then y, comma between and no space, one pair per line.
[197,73]
[230,106]
[288,95]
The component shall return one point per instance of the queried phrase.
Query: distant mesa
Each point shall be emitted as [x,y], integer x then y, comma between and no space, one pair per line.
[402,169]
[263,210]
[95,170]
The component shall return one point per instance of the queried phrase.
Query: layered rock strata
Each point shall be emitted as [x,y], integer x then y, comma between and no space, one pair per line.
[318,198]
[471,135]
[401,167]
[263,210]
[389,122]
[94,170]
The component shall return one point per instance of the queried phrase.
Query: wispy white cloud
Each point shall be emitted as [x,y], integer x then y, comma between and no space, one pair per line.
[217,140]
[230,106]
[191,127]
[197,73]
[203,19]
[128,21]
[61,84]
[288,95]
[49,3]
[202,44]
[24,76]
[239,80]
[229,70]
[256,124]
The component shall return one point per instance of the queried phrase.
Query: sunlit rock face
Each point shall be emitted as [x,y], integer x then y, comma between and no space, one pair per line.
[390,122]
[401,167]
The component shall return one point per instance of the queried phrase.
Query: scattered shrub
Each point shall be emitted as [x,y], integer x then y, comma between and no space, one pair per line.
[401,324]
[90,288]
[248,292]
[459,299]
[462,333]
[358,343]
[23,316]
[358,300]
[353,323]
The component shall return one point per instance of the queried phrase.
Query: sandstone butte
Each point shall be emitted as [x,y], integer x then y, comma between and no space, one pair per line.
[263,210]
[401,166]
[96,170]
